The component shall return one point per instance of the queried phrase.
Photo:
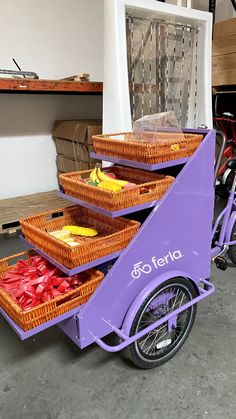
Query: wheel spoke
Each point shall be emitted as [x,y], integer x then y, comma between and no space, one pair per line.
[164,303]
[150,334]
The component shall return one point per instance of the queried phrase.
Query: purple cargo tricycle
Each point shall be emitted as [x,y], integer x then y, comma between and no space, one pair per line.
[149,295]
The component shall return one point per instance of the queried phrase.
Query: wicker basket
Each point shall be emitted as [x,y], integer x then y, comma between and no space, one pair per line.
[142,150]
[114,234]
[29,319]
[150,186]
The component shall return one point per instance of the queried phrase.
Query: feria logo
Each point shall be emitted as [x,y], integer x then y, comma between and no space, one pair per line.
[144,268]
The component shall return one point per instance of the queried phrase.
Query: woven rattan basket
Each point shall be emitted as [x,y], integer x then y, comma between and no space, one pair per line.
[29,319]
[141,147]
[114,234]
[149,186]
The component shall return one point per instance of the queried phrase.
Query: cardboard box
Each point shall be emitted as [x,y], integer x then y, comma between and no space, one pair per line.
[58,177]
[75,151]
[65,164]
[79,131]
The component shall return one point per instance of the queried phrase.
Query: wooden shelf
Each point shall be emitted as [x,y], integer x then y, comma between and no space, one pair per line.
[8,85]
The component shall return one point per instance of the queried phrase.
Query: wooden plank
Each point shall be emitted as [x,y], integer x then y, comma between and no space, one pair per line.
[225,45]
[12,209]
[223,78]
[224,70]
[224,62]
[225,28]
[50,85]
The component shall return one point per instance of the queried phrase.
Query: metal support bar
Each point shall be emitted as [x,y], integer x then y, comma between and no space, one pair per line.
[128,340]
[212,8]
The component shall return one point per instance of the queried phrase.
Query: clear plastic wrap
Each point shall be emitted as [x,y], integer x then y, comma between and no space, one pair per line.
[157,127]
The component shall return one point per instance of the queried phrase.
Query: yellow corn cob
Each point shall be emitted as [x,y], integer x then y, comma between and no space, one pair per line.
[81,231]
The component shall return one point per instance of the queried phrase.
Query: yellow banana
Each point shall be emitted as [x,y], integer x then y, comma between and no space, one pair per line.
[103,177]
[93,176]
[110,186]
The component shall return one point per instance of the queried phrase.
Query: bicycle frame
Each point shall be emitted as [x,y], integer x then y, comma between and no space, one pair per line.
[229,217]
[228,128]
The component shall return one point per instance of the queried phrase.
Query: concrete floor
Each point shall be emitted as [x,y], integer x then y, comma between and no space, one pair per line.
[48,377]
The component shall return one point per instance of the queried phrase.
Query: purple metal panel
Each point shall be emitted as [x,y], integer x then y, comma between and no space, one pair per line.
[78,269]
[103,211]
[70,328]
[175,236]
[139,165]
[25,335]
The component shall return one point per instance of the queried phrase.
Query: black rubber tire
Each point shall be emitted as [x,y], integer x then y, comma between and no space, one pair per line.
[232,249]
[132,351]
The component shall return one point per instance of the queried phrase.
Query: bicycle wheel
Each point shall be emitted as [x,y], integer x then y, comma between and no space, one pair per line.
[160,345]
[232,249]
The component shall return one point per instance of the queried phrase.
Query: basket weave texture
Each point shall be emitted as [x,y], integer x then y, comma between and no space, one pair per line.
[44,312]
[140,149]
[150,186]
[114,234]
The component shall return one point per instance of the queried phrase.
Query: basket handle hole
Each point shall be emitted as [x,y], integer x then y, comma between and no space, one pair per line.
[50,217]
[147,189]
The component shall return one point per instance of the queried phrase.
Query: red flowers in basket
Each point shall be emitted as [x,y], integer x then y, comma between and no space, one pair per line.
[34,281]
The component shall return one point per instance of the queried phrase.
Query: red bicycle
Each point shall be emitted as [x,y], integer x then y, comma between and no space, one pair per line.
[227,125]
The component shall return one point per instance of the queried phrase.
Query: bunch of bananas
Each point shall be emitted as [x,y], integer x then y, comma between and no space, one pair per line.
[100,179]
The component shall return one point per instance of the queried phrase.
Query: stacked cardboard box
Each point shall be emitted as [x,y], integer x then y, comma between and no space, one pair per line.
[73,141]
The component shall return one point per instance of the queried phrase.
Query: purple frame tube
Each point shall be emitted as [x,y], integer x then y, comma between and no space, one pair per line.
[226,228]
[128,340]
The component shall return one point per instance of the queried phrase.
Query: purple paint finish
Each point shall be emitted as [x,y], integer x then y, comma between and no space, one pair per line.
[215,251]
[174,240]
[229,228]
[70,328]
[78,269]
[139,165]
[147,290]
[172,323]
[27,334]
[128,340]
[175,236]
[103,211]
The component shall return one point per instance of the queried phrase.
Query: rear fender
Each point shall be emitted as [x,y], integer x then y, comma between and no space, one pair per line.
[150,287]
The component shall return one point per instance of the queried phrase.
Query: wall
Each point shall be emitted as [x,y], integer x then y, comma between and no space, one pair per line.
[54,39]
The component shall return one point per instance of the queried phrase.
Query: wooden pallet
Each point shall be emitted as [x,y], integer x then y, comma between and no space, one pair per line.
[12,209]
